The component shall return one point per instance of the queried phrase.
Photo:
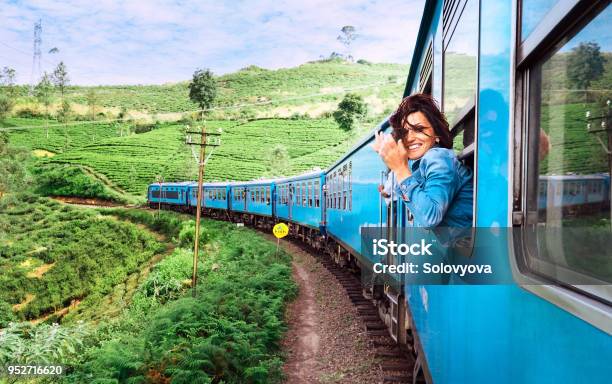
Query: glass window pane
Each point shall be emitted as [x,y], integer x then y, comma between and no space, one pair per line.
[460,64]
[570,121]
[532,13]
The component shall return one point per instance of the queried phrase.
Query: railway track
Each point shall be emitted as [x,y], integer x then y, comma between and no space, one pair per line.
[396,361]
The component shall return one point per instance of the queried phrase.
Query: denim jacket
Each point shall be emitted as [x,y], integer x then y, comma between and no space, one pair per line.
[440,190]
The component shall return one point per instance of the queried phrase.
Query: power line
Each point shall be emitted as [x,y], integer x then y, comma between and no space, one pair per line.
[237,106]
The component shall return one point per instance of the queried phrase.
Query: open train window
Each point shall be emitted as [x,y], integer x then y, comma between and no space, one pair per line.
[460,62]
[566,90]
[317,194]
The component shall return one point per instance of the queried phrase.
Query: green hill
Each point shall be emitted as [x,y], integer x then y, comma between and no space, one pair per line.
[313,88]
[123,157]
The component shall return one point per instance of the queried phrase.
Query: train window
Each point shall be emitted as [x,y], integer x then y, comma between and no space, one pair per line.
[317,194]
[331,192]
[350,182]
[570,141]
[532,12]
[460,60]
[267,195]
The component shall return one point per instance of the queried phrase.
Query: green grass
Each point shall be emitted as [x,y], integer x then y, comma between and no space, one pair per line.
[134,161]
[255,84]
[60,138]
[86,254]
[230,332]
[129,164]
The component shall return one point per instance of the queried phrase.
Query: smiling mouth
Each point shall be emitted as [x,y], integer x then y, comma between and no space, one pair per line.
[414,146]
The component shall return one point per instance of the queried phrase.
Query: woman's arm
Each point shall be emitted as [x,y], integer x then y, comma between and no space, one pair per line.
[429,199]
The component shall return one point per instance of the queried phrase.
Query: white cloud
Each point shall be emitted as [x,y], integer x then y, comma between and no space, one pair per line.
[158,41]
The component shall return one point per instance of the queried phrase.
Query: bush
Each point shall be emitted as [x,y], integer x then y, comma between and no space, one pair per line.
[6,314]
[29,112]
[230,333]
[6,105]
[65,180]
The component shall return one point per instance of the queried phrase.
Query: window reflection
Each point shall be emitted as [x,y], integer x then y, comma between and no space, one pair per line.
[460,64]
[571,93]
[533,11]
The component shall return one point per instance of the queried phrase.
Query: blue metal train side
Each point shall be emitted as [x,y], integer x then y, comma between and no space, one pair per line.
[214,195]
[254,197]
[504,333]
[169,193]
[352,198]
[299,199]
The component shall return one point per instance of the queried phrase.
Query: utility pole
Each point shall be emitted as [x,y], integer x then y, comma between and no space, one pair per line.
[203,143]
[605,126]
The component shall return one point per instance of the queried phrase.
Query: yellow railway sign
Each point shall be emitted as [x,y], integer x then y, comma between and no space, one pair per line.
[280,230]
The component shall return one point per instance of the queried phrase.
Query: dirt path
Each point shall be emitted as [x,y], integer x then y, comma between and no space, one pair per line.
[326,342]
[304,332]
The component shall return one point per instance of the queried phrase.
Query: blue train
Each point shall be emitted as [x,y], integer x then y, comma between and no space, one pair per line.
[495,67]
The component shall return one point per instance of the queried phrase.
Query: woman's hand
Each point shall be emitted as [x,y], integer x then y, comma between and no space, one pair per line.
[393,154]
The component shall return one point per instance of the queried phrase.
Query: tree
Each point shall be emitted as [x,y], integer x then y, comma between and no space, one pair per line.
[7,78]
[277,160]
[585,64]
[350,110]
[203,89]
[346,38]
[92,101]
[44,94]
[60,78]
[7,96]
[63,114]
[6,105]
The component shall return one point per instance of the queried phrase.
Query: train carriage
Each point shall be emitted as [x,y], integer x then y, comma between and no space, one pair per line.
[491,65]
[169,194]
[215,198]
[299,200]
[253,201]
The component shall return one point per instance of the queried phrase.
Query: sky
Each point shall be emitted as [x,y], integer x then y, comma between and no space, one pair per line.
[156,42]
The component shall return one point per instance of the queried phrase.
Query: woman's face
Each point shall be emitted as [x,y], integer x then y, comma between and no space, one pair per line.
[419,136]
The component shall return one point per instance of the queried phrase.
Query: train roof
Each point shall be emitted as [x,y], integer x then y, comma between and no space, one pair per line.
[174,183]
[421,43]
[252,182]
[303,176]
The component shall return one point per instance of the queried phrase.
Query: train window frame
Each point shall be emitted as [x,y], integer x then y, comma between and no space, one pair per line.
[350,182]
[588,302]
[317,193]
[310,194]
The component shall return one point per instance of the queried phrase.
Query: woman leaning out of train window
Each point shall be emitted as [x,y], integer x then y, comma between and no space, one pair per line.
[435,186]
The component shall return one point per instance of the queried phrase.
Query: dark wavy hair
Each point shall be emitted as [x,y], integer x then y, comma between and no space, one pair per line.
[425,104]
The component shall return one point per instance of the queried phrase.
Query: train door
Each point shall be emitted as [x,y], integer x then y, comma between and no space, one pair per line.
[290,202]
[244,200]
